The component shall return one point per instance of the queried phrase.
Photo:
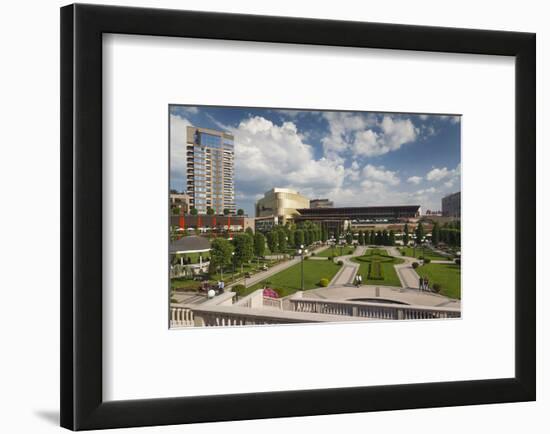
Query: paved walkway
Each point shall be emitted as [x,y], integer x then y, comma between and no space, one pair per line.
[346,274]
[406,273]
[390,293]
[188,297]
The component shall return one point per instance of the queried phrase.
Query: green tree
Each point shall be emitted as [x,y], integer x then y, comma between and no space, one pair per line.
[361,238]
[240,211]
[226,211]
[210,211]
[272,241]
[194,211]
[392,238]
[435,234]
[349,238]
[290,235]
[406,235]
[220,255]
[324,234]
[307,237]
[378,238]
[249,231]
[281,245]
[419,233]
[337,233]
[259,244]
[298,238]
[244,248]
[385,238]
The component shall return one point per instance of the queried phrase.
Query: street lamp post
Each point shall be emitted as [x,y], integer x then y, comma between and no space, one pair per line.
[233,260]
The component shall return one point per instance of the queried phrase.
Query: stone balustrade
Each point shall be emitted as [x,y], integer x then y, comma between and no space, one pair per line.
[382,311]
[215,316]
[272,303]
[181,317]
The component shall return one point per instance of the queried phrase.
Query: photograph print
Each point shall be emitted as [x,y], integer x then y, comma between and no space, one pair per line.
[286,216]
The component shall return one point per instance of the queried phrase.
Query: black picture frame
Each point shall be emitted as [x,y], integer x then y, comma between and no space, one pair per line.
[82,405]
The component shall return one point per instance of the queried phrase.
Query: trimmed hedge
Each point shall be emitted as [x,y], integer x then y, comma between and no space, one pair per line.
[324,282]
[375,271]
[415,265]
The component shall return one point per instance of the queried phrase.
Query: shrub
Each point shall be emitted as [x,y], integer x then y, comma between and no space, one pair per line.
[421,258]
[324,282]
[280,292]
[239,289]
[436,287]
[306,258]
[427,260]
[313,253]
[457,261]
[415,265]
[340,262]
[403,252]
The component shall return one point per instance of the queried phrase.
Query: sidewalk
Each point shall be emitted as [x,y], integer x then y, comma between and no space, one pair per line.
[346,274]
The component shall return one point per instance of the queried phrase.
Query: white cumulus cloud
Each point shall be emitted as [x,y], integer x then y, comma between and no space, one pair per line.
[414,180]
[373,173]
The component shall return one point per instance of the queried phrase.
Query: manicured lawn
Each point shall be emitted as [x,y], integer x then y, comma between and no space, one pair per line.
[428,253]
[447,275]
[329,252]
[183,283]
[386,262]
[289,280]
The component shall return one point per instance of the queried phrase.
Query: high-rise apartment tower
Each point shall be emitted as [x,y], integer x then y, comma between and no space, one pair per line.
[210,173]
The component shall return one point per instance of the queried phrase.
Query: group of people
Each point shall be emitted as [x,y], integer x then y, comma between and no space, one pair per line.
[423,284]
[219,288]
[358,280]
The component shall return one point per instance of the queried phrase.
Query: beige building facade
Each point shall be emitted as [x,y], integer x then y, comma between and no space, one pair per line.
[281,203]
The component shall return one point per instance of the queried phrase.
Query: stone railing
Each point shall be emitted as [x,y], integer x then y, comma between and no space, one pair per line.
[254,300]
[181,317]
[384,311]
[272,303]
[241,316]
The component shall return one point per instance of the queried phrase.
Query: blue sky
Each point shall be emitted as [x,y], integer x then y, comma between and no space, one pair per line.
[352,158]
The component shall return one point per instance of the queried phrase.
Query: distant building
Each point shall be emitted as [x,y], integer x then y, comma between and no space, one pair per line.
[433,213]
[211,223]
[321,203]
[265,224]
[450,205]
[180,201]
[210,177]
[339,219]
[281,203]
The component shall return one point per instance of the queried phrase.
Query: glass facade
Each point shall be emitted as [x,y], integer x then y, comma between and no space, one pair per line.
[210,140]
[210,170]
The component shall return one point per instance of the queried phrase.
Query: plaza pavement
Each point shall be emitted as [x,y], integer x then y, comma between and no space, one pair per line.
[403,295]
